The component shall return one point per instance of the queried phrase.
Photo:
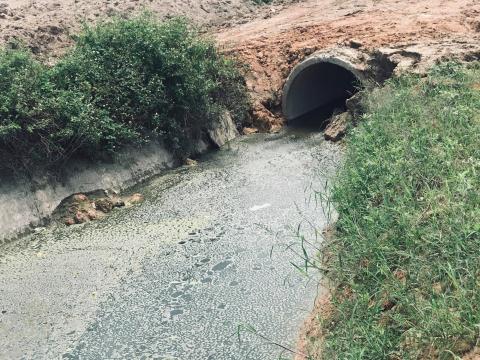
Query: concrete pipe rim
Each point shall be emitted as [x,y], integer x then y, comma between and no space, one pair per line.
[313,60]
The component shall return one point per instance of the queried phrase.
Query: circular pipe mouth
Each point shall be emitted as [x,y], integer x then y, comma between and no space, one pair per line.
[317,82]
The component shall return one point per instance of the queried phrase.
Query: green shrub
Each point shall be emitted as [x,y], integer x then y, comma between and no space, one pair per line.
[39,123]
[124,82]
[408,234]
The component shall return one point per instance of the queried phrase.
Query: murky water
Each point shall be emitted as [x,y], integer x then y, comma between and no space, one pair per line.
[191,273]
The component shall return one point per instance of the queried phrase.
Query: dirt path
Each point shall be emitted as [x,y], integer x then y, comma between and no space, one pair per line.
[427,29]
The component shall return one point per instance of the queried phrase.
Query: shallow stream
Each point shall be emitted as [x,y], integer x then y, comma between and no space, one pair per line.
[191,273]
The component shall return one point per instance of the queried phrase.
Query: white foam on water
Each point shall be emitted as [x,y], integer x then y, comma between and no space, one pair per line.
[260,207]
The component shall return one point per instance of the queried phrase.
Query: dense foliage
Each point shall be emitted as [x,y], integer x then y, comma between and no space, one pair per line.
[405,261]
[124,82]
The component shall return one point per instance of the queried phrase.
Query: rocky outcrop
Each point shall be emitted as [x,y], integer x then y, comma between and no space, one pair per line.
[81,208]
[224,131]
[337,127]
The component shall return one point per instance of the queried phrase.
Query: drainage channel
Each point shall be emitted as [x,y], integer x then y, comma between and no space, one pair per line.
[185,275]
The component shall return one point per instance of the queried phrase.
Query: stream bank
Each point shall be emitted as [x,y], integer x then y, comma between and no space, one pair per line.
[29,201]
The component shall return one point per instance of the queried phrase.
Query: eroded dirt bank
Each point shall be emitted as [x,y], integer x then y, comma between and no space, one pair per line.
[413,34]
[272,39]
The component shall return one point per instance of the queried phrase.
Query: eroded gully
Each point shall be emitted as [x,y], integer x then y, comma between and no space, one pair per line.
[176,277]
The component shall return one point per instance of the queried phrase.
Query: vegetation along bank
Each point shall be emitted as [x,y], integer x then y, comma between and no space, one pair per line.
[403,263]
[124,82]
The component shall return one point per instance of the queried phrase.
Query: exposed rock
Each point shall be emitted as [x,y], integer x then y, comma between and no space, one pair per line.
[80,197]
[117,202]
[136,198]
[337,127]
[224,131]
[191,162]
[79,208]
[263,118]
[81,217]
[354,105]
[276,128]
[92,214]
[355,44]
[249,130]
[105,205]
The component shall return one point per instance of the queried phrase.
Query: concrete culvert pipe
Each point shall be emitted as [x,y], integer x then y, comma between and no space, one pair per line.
[318,82]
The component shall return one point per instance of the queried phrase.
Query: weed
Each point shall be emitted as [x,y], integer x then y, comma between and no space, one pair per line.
[408,233]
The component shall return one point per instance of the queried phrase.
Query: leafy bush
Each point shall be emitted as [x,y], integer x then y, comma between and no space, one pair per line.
[405,259]
[124,82]
[39,123]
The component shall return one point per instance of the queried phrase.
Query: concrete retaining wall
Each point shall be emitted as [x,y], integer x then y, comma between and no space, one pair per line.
[27,203]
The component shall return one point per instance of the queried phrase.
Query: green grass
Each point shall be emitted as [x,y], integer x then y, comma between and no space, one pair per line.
[124,82]
[404,265]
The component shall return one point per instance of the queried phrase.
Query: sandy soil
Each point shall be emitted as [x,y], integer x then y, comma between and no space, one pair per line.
[430,29]
[473,355]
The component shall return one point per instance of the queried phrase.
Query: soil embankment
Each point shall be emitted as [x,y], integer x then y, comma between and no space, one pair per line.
[271,39]
[47,26]
[410,34]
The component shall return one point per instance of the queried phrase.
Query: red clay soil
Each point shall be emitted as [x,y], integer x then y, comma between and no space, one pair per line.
[432,29]
[310,342]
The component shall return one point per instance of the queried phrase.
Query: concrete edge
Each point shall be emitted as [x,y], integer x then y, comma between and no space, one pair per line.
[346,58]
[28,203]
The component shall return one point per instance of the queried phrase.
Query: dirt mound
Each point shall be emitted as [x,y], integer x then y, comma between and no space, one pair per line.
[411,33]
[47,26]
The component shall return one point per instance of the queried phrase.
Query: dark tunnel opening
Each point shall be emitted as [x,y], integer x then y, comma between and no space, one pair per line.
[317,92]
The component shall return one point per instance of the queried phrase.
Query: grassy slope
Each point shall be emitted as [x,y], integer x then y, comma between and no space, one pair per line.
[405,264]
